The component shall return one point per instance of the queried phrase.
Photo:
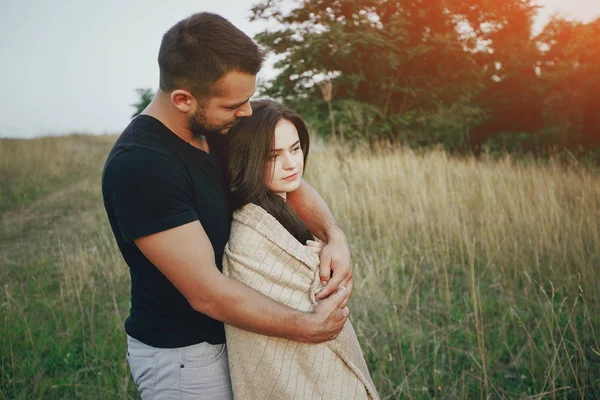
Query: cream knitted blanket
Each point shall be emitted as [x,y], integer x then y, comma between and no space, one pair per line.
[264,255]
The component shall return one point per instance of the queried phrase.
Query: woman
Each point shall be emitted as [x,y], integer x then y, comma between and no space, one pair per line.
[267,155]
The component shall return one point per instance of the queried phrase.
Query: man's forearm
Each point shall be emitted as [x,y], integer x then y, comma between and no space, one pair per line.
[237,304]
[315,213]
[335,269]
[185,256]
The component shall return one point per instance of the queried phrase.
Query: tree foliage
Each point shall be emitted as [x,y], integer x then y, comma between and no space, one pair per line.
[455,72]
[145,97]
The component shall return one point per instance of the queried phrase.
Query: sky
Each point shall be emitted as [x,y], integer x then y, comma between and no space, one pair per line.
[73,66]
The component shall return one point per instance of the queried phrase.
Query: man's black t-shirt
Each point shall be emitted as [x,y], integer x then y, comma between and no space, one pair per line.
[154,181]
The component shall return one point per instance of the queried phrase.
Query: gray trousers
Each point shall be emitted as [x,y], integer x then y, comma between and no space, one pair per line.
[200,371]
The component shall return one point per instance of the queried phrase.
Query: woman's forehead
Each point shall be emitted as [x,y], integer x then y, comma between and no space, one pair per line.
[286,134]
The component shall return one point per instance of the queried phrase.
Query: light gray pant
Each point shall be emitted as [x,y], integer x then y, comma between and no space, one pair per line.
[200,371]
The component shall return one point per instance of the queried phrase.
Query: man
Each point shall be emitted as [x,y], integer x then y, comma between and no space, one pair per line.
[165,199]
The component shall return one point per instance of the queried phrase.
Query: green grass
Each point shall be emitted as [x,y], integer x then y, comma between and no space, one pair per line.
[65,288]
[473,279]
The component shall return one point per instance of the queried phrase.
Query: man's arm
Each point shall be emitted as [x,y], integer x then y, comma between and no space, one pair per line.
[185,256]
[335,257]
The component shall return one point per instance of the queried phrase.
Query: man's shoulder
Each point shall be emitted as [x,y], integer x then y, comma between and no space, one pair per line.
[140,150]
[141,144]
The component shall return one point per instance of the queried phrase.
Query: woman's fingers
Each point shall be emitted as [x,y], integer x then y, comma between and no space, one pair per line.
[314,250]
[313,246]
[314,243]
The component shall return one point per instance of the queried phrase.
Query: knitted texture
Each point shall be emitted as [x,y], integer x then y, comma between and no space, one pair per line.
[264,255]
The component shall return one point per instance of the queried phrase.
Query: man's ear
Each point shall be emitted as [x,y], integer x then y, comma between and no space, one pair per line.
[182,100]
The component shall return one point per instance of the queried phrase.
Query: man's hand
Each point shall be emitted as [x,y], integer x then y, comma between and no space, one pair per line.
[336,268]
[185,256]
[327,318]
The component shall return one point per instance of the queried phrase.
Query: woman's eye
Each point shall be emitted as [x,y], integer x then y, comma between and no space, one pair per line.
[274,156]
[295,149]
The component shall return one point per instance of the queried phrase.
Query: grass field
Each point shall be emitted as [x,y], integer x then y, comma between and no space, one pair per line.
[475,279]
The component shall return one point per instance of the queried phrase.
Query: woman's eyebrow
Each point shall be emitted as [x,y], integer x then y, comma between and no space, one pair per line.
[295,143]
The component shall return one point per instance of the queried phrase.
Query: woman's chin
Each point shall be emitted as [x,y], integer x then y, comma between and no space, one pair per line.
[293,186]
[283,191]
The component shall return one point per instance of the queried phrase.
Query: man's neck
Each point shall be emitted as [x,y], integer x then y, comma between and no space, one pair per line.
[160,108]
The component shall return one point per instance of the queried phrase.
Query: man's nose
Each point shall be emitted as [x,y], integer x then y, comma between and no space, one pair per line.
[244,111]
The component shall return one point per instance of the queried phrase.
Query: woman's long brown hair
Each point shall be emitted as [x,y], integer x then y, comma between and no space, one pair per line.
[250,142]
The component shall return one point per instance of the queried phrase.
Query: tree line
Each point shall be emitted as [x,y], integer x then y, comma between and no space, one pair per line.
[469,75]
[465,74]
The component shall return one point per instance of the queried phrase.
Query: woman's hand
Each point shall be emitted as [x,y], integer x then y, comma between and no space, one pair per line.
[314,246]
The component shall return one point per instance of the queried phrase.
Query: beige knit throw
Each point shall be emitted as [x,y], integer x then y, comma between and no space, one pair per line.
[264,255]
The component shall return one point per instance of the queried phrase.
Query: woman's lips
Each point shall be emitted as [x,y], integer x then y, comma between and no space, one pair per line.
[291,177]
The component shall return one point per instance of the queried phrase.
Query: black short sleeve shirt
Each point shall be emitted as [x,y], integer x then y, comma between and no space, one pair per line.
[154,181]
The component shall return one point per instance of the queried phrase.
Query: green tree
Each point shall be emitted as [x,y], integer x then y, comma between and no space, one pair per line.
[145,97]
[393,63]
[462,73]
[571,68]
[508,55]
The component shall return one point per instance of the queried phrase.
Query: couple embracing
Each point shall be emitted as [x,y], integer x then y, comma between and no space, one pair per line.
[240,276]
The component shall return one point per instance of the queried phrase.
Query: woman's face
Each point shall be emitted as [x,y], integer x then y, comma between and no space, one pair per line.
[285,164]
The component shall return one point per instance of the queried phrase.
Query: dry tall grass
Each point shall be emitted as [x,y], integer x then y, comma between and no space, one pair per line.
[474,279]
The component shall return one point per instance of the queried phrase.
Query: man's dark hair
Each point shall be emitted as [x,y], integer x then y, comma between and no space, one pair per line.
[199,50]
[250,142]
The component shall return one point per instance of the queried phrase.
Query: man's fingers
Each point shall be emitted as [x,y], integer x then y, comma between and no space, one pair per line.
[325,271]
[348,285]
[338,298]
[346,312]
[332,285]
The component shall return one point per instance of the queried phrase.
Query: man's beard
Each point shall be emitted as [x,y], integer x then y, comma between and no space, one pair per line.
[200,127]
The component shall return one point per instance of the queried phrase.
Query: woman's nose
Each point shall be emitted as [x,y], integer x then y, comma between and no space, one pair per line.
[289,162]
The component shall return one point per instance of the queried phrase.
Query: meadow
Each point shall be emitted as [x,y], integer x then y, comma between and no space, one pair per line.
[474,278]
